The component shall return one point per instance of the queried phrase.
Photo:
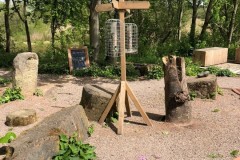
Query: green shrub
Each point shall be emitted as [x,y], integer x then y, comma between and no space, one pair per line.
[220,72]
[156,72]
[72,149]
[192,69]
[11,94]
[6,60]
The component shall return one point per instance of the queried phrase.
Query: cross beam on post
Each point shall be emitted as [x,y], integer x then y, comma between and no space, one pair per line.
[123,90]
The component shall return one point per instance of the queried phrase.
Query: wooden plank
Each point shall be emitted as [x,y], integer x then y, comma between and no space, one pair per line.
[121,106]
[138,105]
[129,113]
[133,5]
[109,106]
[104,7]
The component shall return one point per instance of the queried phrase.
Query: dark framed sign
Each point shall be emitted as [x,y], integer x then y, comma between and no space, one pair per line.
[78,58]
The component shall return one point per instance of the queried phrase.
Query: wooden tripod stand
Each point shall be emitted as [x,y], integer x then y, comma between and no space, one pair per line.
[123,90]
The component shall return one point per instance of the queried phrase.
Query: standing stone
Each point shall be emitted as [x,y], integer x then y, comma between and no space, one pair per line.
[25,72]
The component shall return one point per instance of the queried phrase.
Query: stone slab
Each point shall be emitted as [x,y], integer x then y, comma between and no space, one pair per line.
[94,100]
[205,87]
[210,56]
[42,141]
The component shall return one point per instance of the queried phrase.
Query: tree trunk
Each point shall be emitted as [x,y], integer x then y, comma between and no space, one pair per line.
[193,25]
[177,105]
[231,25]
[28,36]
[207,19]
[7,26]
[94,29]
[26,26]
[180,15]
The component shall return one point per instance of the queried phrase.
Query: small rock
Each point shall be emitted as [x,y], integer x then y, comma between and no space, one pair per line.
[22,117]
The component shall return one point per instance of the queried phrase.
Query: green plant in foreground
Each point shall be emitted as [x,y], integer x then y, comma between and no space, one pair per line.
[11,94]
[9,136]
[72,149]
[90,130]
[234,153]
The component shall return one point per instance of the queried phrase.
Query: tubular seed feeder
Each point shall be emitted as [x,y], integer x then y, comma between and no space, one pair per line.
[112,38]
[117,47]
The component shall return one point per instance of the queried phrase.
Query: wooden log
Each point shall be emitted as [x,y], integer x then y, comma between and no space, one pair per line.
[177,105]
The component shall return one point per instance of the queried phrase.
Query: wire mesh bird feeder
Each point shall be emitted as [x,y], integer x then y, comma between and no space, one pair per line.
[112,38]
[131,38]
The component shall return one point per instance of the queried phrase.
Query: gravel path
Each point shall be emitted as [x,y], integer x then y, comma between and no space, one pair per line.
[209,134]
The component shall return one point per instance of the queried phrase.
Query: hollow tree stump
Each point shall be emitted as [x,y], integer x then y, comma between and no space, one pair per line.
[177,105]
[22,117]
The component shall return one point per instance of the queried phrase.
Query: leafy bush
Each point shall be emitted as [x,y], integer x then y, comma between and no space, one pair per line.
[9,136]
[156,72]
[220,72]
[192,69]
[4,81]
[11,94]
[53,62]
[6,60]
[72,149]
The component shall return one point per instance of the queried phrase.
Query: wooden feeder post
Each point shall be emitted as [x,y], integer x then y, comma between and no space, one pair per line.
[123,90]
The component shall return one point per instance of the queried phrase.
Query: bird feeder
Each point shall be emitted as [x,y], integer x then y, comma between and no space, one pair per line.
[112,38]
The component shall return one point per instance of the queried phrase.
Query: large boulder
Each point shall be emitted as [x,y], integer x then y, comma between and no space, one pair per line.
[42,141]
[205,87]
[25,72]
[95,99]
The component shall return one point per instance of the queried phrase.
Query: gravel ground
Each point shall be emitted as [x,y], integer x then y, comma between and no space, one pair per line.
[210,133]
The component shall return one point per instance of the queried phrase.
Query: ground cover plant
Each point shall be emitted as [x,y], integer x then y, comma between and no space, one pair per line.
[73,149]
[11,94]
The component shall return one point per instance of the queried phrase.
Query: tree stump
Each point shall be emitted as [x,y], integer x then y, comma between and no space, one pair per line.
[177,105]
[22,117]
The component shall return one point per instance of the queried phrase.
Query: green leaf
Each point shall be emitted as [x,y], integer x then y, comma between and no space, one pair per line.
[234,153]
[63,138]
[73,148]
[8,137]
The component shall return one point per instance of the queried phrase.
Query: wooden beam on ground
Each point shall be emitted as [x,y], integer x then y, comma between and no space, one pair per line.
[138,105]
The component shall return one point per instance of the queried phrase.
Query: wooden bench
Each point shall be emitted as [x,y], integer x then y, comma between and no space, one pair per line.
[210,56]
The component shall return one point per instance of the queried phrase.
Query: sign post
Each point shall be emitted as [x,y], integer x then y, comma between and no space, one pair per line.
[123,90]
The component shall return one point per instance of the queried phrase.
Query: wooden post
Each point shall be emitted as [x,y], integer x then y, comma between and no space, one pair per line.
[178,108]
[123,89]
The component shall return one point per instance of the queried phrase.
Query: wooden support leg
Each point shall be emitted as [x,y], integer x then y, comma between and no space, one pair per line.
[109,106]
[129,114]
[138,105]
[121,107]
